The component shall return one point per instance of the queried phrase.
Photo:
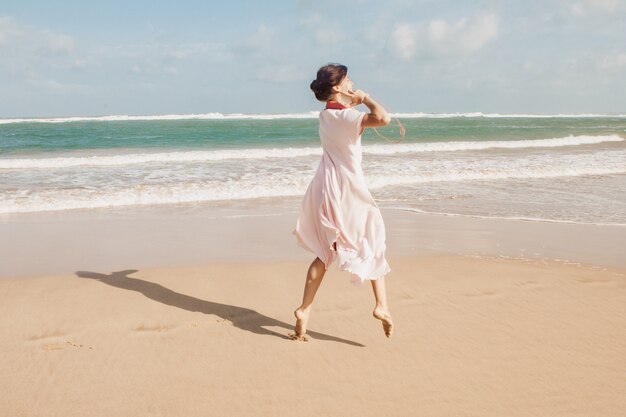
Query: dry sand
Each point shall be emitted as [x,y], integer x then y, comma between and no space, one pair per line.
[474,335]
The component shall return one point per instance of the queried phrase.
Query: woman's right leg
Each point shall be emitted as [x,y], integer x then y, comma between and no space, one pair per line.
[314,277]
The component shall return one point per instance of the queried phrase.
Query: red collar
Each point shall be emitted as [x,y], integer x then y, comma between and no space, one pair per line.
[334,105]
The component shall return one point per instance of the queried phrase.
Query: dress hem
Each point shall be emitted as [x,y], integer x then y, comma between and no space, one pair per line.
[344,266]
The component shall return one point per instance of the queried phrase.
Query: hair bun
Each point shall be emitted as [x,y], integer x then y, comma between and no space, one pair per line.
[328,76]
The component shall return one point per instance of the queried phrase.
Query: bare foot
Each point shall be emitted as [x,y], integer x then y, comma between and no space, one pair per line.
[302,318]
[384,316]
[301,338]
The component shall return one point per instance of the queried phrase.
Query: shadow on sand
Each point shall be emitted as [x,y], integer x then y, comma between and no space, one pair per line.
[240,317]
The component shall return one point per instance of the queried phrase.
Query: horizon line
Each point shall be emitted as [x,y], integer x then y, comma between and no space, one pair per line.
[300,115]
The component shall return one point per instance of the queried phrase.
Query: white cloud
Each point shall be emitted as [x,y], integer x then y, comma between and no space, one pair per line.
[262,39]
[155,58]
[81,64]
[328,35]
[184,51]
[325,31]
[404,40]
[437,29]
[54,85]
[17,37]
[584,7]
[280,74]
[59,44]
[45,84]
[170,70]
[613,61]
[8,30]
[577,9]
[474,34]
[440,37]
[27,49]
[604,4]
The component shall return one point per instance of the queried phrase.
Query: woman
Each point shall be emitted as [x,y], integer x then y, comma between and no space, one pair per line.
[338,218]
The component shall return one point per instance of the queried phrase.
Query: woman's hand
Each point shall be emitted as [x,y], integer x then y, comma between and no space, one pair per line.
[356,96]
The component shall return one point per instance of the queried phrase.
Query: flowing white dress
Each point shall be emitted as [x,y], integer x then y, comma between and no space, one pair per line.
[337,207]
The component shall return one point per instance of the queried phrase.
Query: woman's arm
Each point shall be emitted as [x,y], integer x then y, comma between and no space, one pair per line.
[377,116]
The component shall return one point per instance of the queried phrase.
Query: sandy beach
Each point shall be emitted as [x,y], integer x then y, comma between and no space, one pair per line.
[163,167]
[488,323]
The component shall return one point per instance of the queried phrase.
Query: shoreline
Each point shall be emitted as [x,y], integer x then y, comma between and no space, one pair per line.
[511,218]
[39,244]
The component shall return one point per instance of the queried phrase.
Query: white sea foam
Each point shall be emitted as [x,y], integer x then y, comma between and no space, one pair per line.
[261,153]
[304,115]
[91,189]
[497,173]
[420,115]
[70,199]
[511,144]
[204,116]
[188,156]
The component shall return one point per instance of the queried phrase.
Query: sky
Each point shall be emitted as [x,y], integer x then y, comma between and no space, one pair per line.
[81,58]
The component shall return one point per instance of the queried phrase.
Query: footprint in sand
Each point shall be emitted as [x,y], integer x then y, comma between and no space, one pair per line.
[59,346]
[596,280]
[156,328]
[52,346]
[481,293]
[531,284]
[47,334]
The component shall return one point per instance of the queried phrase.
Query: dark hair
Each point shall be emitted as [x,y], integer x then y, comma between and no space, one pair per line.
[327,77]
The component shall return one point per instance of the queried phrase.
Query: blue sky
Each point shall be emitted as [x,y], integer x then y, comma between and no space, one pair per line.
[64,58]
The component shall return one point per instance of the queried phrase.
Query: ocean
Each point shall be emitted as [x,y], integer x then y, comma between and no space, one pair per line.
[557,168]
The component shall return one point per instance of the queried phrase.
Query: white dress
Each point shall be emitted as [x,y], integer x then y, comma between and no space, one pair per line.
[337,207]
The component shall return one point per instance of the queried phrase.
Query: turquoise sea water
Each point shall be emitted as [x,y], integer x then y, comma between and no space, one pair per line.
[36,138]
[535,167]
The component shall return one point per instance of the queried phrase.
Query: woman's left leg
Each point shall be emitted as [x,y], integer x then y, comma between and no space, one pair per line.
[381,311]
